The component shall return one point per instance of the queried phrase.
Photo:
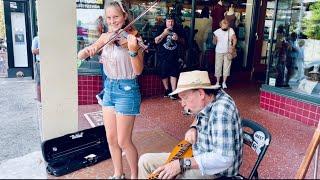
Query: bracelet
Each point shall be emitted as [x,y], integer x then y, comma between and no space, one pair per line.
[195,127]
[132,53]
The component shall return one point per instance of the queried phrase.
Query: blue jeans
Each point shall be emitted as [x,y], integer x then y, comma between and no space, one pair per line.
[123,95]
[103,77]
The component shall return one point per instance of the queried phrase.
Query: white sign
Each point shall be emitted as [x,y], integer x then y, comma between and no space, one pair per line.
[13,5]
[19,39]
[272,81]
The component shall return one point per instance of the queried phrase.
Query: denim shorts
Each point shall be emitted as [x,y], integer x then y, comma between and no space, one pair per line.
[123,95]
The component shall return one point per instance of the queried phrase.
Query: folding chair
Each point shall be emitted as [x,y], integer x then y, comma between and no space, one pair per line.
[258,139]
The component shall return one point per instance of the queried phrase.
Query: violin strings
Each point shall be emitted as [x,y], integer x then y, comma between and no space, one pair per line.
[130,24]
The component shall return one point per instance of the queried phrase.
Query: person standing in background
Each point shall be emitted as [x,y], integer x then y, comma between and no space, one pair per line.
[217,14]
[225,39]
[168,56]
[292,55]
[35,51]
[300,61]
[100,25]
[232,17]
[279,59]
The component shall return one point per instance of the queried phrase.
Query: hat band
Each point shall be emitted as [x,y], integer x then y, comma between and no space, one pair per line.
[193,85]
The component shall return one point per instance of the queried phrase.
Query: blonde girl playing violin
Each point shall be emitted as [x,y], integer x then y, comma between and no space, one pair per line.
[122,99]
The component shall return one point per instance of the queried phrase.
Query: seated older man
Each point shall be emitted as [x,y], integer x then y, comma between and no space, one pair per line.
[215,134]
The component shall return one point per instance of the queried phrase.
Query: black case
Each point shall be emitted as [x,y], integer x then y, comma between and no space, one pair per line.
[74,151]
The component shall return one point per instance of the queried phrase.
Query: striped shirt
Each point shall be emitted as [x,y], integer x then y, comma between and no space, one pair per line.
[218,149]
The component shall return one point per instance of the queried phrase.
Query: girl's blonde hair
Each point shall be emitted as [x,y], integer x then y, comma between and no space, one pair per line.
[122,6]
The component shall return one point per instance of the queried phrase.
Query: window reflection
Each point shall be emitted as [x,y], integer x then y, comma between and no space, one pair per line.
[295,55]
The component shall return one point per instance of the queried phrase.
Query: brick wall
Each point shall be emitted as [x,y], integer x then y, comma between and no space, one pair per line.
[294,109]
[90,85]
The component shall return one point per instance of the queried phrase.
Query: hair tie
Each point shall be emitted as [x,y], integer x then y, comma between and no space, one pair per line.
[120,4]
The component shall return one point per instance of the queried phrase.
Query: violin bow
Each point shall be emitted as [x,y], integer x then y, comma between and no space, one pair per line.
[129,25]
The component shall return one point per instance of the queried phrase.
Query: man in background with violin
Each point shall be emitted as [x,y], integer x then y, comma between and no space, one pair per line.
[215,134]
[168,40]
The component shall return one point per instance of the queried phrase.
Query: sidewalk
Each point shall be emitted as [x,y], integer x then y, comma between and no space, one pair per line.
[158,129]
[20,155]
[19,133]
[161,125]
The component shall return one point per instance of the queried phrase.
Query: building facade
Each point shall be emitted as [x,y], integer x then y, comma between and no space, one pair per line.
[277,46]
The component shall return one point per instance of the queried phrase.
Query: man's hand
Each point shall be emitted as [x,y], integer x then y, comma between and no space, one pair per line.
[191,135]
[166,31]
[35,51]
[168,171]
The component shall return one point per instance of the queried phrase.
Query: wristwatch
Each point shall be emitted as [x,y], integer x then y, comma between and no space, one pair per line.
[186,164]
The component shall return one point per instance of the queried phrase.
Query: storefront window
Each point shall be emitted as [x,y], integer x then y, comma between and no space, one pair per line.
[295,57]
[90,24]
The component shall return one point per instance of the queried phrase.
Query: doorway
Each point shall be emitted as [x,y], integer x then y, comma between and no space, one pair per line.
[18,38]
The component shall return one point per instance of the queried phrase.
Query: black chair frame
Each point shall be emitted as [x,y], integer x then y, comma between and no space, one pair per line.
[258,138]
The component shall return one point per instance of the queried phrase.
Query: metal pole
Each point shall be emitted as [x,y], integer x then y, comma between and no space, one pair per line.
[190,41]
[316,163]
[271,40]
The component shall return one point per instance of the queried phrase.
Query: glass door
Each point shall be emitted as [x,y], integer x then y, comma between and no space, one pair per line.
[246,30]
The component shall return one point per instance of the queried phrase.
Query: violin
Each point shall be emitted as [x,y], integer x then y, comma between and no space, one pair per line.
[123,33]
[121,39]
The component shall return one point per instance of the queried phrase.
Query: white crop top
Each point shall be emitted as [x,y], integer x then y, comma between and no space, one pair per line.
[117,63]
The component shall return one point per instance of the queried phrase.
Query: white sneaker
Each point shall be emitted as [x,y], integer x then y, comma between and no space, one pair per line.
[117,177]
[224,85]
[216,86]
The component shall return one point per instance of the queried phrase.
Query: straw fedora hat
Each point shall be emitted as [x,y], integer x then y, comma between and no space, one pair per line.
[193,80]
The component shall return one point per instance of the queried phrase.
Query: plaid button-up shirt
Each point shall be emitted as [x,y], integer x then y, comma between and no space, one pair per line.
[218,149]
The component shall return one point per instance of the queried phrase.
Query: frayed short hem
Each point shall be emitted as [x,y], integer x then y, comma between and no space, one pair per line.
[124,114]
[121,113]
[110,107]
